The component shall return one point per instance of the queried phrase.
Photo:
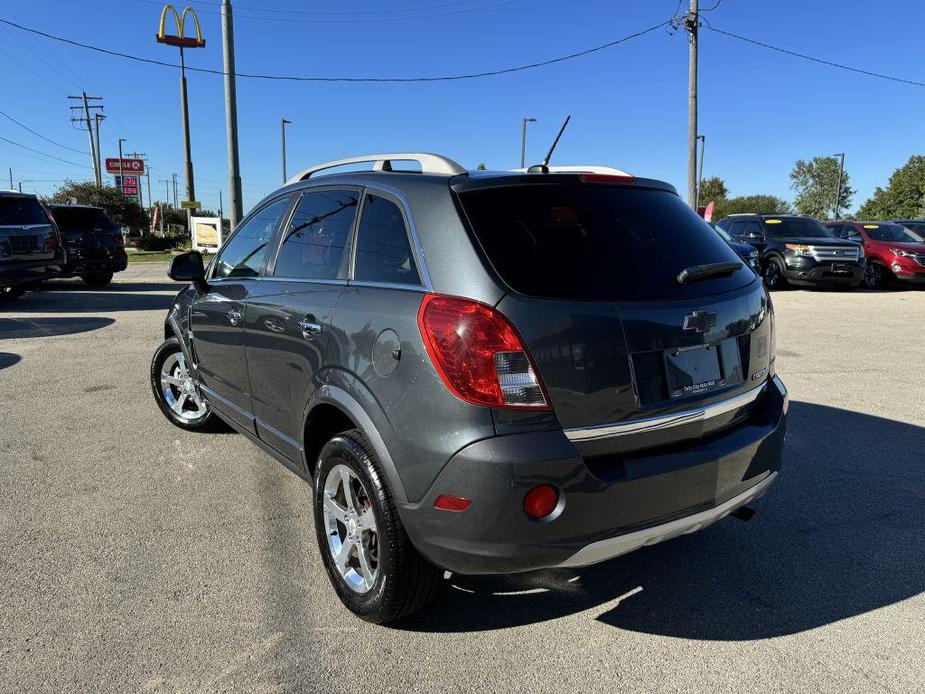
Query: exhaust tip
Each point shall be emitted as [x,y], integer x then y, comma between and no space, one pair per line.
[743,513]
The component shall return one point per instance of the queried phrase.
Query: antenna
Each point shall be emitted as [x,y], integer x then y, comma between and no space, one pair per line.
[544,167]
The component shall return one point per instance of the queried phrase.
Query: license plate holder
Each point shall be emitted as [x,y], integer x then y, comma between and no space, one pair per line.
[693,371]
[839,267]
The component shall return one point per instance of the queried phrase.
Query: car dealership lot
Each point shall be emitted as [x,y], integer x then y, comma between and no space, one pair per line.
[135,556]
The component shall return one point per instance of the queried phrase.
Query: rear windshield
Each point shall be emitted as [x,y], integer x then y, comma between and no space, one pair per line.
[16,211]
[589,242]
[796,226]
[891,232]
[83,219]
[915,227]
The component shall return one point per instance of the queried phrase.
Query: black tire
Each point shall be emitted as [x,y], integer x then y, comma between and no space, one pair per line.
[774,274]
[170,354]
[875,276]
[11,293]
[96,279]
[404,581]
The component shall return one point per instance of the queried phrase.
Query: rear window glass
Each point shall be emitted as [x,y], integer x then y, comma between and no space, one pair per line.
[915,227]
[15,211]
[83,219]
[796,226]
[591,242]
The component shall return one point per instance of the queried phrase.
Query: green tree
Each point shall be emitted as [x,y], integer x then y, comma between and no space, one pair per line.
[125,212]
[757,204]
[816,183]
[904,196]
[482,167]
[713,189]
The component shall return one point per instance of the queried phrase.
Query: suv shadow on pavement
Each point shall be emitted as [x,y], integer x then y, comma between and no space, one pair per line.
[841,534]
[19,328]
[90,301]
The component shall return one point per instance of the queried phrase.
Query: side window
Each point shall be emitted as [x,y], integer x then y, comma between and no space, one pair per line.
[752,228]
[383,251]
[313,247]
[736,228]
[246,251]
[840,230]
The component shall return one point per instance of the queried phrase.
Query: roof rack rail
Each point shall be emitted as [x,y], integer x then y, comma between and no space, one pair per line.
[430,164]
[583,169]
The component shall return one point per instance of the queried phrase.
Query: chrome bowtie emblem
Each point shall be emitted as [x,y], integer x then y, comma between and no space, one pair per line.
[700,321]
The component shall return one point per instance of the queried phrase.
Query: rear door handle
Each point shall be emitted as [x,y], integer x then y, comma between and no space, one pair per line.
[309,329]
[234,317]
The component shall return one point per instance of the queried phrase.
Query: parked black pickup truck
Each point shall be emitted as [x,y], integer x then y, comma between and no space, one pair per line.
[94,242]
[30,244]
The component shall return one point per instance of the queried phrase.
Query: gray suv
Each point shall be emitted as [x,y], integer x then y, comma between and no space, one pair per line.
[481,372]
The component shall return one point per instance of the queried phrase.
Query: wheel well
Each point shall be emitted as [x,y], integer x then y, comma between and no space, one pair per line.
[323,423]
[168,331]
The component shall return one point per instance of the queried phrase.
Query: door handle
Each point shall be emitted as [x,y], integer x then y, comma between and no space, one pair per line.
[309,329]
[234,317]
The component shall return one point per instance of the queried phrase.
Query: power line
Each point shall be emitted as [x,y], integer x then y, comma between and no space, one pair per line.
[343,12]
[350,20]
[50,156]
[37,134]
[297,78]
[815,60]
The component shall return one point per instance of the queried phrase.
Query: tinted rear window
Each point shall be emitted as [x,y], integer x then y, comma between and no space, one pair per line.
[83,219]
[591,242]
[795,226]
[891,232]
[20,211]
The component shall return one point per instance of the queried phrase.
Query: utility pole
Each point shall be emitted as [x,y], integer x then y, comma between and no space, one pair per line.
[11,178]
[841,171]
[231,116]
[282,127]
[97,117]
[166,182]
[703,147]
[523,141]
[175,204]
[221,211]
[86,120]
[692,24]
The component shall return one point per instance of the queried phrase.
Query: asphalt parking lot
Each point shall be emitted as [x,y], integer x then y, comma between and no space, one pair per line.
[137,557]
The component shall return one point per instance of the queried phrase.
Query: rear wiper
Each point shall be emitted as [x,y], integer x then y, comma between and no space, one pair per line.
[702,272]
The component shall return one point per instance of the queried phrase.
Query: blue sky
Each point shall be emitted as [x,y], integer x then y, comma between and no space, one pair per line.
[760,110]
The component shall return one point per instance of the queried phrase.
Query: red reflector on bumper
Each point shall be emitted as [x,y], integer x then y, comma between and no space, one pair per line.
[446,502]
[540,501]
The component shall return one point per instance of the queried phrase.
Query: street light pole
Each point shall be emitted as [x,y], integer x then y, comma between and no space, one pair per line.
[236,211]
[121,177]
[282,127]
[841,170]
[523,141]
[703,147]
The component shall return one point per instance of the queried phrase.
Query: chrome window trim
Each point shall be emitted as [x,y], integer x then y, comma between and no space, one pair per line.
[388,285]
[301,280]
[667,421]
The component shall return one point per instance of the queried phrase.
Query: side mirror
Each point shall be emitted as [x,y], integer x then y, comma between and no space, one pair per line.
[855,236]
[755,236]
[188,267]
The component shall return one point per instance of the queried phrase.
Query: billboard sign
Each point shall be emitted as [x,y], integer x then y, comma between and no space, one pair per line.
[135,166]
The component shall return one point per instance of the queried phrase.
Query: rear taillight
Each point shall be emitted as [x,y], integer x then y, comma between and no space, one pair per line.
[119,239]
[53,242]
[478,354]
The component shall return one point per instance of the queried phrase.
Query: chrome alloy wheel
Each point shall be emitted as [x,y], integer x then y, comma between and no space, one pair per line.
[353,540]
[180,391]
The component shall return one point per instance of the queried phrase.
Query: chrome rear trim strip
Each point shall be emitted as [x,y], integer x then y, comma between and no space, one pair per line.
[668,421]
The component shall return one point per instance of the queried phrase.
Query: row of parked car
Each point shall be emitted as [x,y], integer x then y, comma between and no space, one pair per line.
[798,250]
[40,242]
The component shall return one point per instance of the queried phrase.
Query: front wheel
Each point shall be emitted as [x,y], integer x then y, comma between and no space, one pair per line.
[874,276]
[10,293]
[96,279]
[774,277]
[374,568]
[176,392]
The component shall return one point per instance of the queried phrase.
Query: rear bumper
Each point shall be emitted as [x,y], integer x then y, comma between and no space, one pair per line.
[31,272]
[609,505]
[79,265]
[806,271]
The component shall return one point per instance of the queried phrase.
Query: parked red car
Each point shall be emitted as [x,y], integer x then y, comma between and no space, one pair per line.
[893,252]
